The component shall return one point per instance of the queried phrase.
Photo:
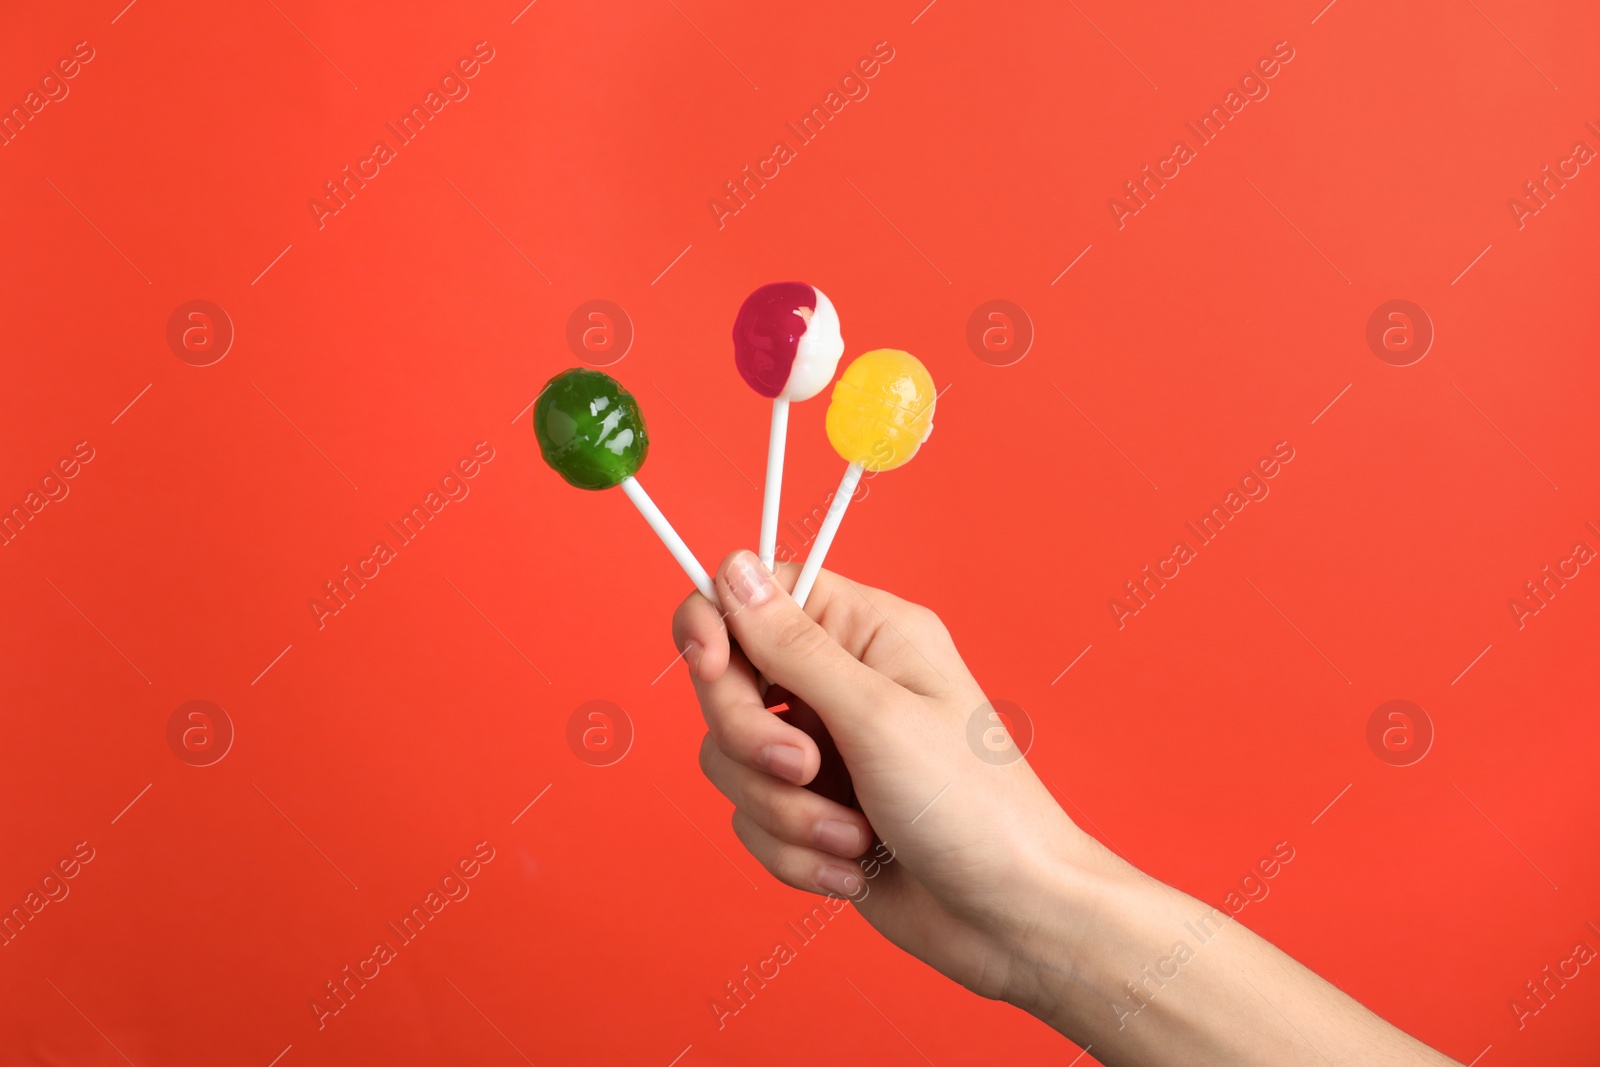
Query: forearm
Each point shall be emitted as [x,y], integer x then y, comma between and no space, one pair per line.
[1147,975]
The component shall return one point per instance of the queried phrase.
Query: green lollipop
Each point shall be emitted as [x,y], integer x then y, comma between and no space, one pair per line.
[590,429]
[591,433]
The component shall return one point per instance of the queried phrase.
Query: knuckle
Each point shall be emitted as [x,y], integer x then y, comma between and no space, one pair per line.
[775,813]
[735,728]
[695,620]
[927,620]
[796,635]
[920,624]
[719,739]
[708,748]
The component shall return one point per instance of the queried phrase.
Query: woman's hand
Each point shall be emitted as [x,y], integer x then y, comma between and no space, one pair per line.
[975,869]
[970,839]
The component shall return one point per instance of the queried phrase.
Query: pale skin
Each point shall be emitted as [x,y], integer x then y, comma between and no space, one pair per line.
[990,882]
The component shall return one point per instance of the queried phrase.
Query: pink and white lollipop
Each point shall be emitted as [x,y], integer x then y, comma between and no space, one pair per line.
[787,345]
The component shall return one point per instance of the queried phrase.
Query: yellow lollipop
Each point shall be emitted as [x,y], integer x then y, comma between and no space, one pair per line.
[882,409]
[881,412]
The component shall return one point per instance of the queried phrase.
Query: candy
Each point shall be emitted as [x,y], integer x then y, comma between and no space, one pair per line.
[589,428]
[786,341]
[881,412]
[882,409]
[591,433]
[786,344]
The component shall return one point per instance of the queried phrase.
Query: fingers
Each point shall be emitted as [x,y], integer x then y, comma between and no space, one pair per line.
[795,865]
[745,731]
[900,639]
[698,632]
[905,641]
[789,813]
[792,650]
[730,699]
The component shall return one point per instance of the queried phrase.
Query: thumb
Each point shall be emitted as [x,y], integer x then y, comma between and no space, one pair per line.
[791,649]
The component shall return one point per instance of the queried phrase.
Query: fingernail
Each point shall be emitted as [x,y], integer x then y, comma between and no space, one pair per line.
[749,580]
[786,761]
[836,835]
[839,881]
[691,655]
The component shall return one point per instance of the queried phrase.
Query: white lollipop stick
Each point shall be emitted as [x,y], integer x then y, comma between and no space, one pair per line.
[669,537]
[773,492]
[830,526]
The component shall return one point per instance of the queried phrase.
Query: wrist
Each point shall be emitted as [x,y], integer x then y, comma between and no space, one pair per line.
[1078,930]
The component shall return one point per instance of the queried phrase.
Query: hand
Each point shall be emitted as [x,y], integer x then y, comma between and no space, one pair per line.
[967,837]
[976,870]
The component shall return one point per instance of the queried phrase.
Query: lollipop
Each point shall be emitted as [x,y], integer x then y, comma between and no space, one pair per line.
[786,344]
[591,433]
[881,412]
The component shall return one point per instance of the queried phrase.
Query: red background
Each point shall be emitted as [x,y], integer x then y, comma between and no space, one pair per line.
[375,752]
